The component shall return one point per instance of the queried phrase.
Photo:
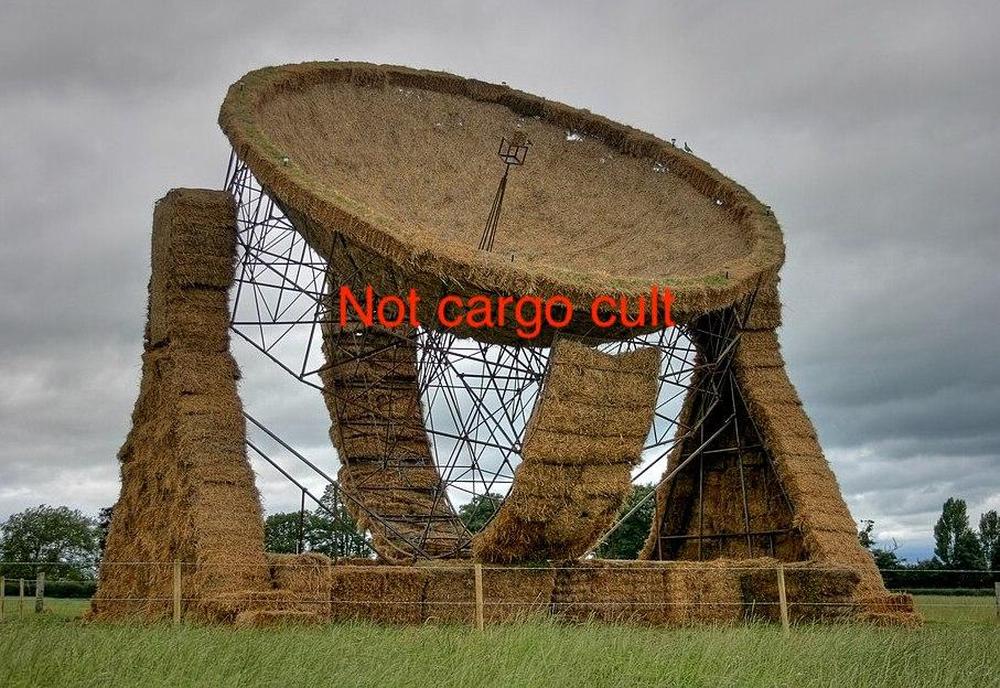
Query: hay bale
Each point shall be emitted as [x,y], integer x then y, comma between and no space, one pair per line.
[225,607]
[814,592]
[658,593]
[509,594]
[706,593]
[577,455]
[187,488]
[307,576]
[890,610]
[381,594]
[611,592]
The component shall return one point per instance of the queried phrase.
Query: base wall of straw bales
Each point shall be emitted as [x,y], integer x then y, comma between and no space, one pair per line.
[648,593]
[187,490]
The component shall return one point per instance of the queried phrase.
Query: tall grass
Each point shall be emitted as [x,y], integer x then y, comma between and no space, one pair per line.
[957,647]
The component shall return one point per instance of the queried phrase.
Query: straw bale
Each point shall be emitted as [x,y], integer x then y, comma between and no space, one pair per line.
[722,591]
[710,593]
[574,475]
[195,318]
[760,349]
[193,239]
[686,225]
[383,594]
[509,594]
[649,592]
[890,610]
[612,592]
[815,592]
[225,607]
[829,532]
[766,312]
[187,488]
[308,577]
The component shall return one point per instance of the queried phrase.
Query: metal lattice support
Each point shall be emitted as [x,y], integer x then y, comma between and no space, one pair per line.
[467,401]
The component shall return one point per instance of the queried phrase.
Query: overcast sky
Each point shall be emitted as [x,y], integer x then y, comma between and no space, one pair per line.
[872,129]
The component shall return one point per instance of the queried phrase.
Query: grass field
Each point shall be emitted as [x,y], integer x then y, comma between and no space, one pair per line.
[958,646]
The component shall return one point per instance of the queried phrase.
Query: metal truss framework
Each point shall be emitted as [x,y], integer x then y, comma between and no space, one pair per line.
[475,398]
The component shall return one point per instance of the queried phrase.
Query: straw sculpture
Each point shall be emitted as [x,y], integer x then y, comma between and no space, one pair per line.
[389,163]
[792,493]
[187,488]
[387,469]
[386,172]
[584,436]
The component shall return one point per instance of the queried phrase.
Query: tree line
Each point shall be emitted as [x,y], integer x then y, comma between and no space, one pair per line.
[66,544]
[963,557]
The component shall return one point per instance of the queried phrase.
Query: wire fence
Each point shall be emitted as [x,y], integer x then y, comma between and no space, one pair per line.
[668,593]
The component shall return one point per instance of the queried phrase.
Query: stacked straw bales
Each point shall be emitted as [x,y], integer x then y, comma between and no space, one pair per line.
[829,533]
[515,593]
[649,593]
[187,488]
[585,434]
[297,589]
[787,470]
[387,473]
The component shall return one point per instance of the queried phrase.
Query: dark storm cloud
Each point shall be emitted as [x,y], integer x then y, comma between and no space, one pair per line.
[871,129]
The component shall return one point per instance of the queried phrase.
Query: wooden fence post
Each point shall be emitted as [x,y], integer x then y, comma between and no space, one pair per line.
[40,593]
[177,592]
[20,599]
[3,595]
[479,596]
[783,599]
[996,595]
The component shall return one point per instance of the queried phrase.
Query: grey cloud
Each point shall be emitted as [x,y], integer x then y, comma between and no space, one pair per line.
[873,131]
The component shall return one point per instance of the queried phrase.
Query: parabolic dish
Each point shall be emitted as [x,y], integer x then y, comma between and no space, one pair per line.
[402,166]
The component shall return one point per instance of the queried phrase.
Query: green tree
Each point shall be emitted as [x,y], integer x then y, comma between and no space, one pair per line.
[989,538]
[329,530]
[104,517]
[281,532]
[628,539]
[955,545]
[969,552]
[478,512]
[865,535]
[335,532]
[884,558]
[59,541]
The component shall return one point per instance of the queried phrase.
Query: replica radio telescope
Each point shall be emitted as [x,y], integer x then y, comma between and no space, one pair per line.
[358,175]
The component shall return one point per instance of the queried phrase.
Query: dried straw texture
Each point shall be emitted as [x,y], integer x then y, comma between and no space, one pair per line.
[706,497]
[585,434]
[509,594]
[382,594]
[187,488]
[678,593]
[815,592]
[649,593]
[793,473]
[308,577]
[388,475]
[401,164]
[829,533]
